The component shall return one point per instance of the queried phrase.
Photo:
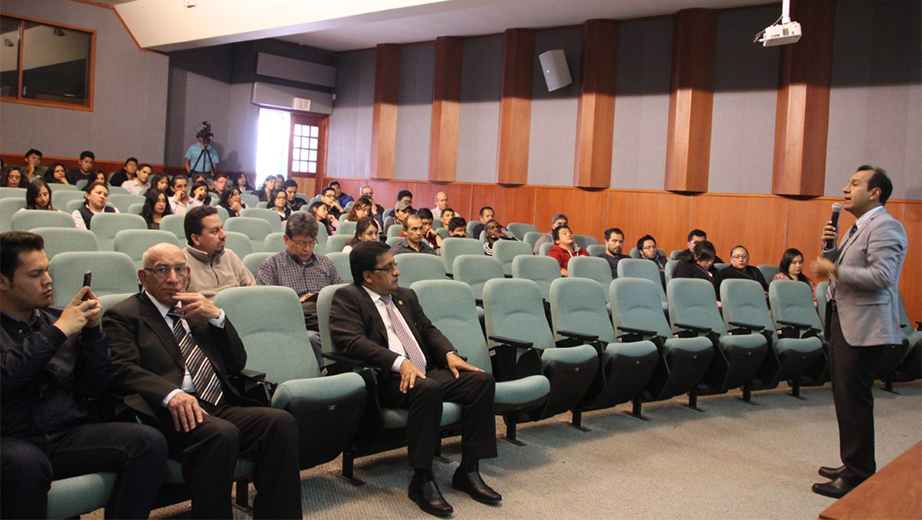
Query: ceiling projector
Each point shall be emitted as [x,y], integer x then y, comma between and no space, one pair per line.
[781,34]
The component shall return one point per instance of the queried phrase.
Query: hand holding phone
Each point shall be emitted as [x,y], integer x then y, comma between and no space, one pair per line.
[87,280]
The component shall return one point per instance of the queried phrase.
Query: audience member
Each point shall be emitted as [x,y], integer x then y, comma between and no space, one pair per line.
[265,191]
[231,201]
[53,359]
[429,234]
[646,248]
[84,171]
[181,202]
[156,206]
[441,203]
[161,182]
[559,220]
[220,182]
[56,174]
[206,422]
[301,270]
[402,210]
[700,265]
[413,243]
[242,182]
[493,232]
[341,198]
[365,229]
[199,192]
[292,200]
[201,157]
[695,236]
[457,227]
[321,212]
[33,164]
[95,203]
[127,172]
[212,268]
[12,177]
[328,197]
[486,214]
[359,209]
[140,181]
[405,195]
[739,268]
[377,209]
[280,204]
[565,247]
[614,243]
[99,176]
[792,268]
[446,216]
[419,370]
[38,195]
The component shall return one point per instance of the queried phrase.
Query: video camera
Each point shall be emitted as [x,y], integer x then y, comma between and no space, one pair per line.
[205,133]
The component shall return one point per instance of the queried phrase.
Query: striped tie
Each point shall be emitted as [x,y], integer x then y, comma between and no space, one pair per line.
[414,354]
[203,375]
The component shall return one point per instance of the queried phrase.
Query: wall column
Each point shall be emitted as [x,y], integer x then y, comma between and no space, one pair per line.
[446,104]
[515,106]
[595,123]
[384,113]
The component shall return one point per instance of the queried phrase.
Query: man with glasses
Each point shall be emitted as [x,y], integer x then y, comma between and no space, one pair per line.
[695,236]
[212,268]
[383,324]
[172,353]
[739,268]
[301,270]
[377,209]
[646,246]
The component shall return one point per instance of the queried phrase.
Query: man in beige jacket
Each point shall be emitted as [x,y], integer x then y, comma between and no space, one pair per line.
[212,267]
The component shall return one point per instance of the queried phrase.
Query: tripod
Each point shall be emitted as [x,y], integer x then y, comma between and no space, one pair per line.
[207,156]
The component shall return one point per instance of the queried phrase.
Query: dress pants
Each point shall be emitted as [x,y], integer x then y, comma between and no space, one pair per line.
[474,391]
[852,374]
[209,455]
[134,451]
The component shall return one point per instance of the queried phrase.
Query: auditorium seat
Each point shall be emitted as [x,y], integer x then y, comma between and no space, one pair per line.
[769,271]
[642,268]
[9,206]
[683,362]
[539,269]
[60,240]
[72,205]
[108,300]
[415,267]
[249,200]
[134,242]
[719,266]
[545,247]
[31,219]
[341,261]
[252,261]
[113,273]
[394,230]
[787,359]
[238,243]
[322,235]
[794,315]
[74,496]
[820,293]
[106,225]
[670,269]
[60,198]
[910,368]
[475,271]
[393,242]
[449,305]
[256,229]
[585,241]
[262,205]
[64,187]
[519,229]
[592,268]
[346,228]
[693,312]
[470,228]
[336,243]
[532,237]
[453,247]
[595,249]
[443,232]
[81,184]
[222,213]
[174,224]
[12,193]
[117,190]
[579,316]
[123,201]
[274,243]
[136,208]
[506,250]
[674,255]
[270,216]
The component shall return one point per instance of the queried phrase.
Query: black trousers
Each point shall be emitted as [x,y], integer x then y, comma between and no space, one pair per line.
[474,391]
[209,455]
[134,451]
[852,374]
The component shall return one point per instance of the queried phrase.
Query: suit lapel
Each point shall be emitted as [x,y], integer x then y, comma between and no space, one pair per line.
[155,321]
[371,310]
[861,230]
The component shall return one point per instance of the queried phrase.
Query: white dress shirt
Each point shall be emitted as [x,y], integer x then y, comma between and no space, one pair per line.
[393,342]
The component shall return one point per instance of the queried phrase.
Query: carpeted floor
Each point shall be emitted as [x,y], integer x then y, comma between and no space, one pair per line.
[735,460]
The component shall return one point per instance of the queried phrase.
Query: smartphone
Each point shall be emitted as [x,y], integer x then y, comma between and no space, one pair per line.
[87,280]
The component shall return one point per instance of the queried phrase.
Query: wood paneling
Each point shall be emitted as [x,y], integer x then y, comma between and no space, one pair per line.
[595,123]
[691,100]
[446,105]
[661,214]
[805,226]
[510,203]
[582,207]
[751,221]
[515,106]
[911,277]
[384,113]
[802,114]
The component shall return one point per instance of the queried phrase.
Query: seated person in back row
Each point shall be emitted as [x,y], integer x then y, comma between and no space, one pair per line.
[97,193]
[565,248]
[457,227]
[647,249]
[559,220]
[700,266]
[402,210]
[212,268]
[695,236]
[429,234]
[494,232]
[413,243]
[739,268]
[614,242]
[486,214]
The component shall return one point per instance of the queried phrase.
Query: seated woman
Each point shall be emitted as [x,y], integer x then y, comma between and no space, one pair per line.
[199,192]
[160,182]
[792,268]
[12,177]
[739,268]
[242,182]
[56,174]
[265,191]
[156,206]
[280,204]
[38,196]
[360,208]
[96,195]
[366,229]
[99,176]
[564,248]
[493,231]
[321,212]
[700,265]
[231,201]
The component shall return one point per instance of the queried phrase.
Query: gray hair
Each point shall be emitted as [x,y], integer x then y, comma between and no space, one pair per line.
[301,223]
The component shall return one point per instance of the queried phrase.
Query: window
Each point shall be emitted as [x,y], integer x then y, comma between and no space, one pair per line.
[304,145]
[46,64]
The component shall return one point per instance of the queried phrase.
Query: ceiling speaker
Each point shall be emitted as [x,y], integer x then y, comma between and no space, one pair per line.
[554,67]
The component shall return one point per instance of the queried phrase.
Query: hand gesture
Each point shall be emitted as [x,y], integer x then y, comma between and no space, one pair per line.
[195,304]
[823,268]
[830,233]
[455,364]
[186,412]
[408,375]
[79,313]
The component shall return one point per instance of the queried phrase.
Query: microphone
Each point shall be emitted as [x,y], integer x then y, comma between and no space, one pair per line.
[836,208]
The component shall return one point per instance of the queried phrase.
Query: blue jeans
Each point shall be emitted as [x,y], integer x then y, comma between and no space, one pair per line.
[134,451]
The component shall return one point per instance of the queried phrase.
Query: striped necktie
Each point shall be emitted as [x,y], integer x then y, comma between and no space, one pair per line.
[204,378]
[414,354]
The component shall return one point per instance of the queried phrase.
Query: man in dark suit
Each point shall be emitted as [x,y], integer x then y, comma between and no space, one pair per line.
[862,316]
[376,321]
[172,352]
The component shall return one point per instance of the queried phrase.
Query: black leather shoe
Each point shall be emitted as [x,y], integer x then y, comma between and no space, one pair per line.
[471,483]
[837,488]
[830,472]
[428,497]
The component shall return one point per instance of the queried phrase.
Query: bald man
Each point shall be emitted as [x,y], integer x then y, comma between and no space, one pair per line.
[441,202]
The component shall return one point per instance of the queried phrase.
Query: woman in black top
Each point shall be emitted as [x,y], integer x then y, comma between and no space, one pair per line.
[700,265]
[739,268]
[230,200]
[156,206]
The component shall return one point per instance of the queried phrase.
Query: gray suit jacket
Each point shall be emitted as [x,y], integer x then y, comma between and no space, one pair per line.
[867,290]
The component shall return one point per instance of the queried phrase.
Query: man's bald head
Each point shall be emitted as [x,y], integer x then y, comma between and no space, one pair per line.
[165,273]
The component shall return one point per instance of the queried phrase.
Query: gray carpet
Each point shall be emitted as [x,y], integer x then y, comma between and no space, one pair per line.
[735,460]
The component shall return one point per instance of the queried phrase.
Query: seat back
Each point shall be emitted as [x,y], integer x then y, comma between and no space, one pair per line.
[519,230]
[475,270]
[12,193]
[222,213]
[118,190]
[108,300]
[792,300]
[107,225]
[134,242]
[593,268]
[769,271]
[72,205]
[674,255]
[60,240]
[513,308]
[545,247]
[531,238]
[394,230]
[252,261]
[820,300]
[123,201]
[542,270]
[693,302]
[256,229]
[453,247]
[113,273]
[9,206]
[274,243]
[641,268]
[743,301]
[31,219]
[60,198]
[136,208]
[238,243]
[270,322]
[249,199]
[450,306]
[174,224]
[578,305]
[506,250]
[470,229]
[346,228]
[585,241]
[595,249]
[270,216]
[324,303]
[336,243]
[341,261]
[670,269]
[322,235]
[635,303]
[418,266]
[393,242]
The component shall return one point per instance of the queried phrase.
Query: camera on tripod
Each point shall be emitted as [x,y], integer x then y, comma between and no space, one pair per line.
[205,133]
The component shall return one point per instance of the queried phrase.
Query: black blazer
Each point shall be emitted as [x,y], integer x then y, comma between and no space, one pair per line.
[690,270]
[357,328]
[147,363]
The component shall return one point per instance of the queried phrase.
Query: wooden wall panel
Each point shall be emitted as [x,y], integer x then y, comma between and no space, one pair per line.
[911,277]
[752,221]
[510,203]
[595,123]
[585,209]
[446,106]
[384,113]
[805,222]
[515,106]
[638,213]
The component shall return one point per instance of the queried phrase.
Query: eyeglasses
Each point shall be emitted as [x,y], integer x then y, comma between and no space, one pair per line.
[305,243]
[740,257]
[164,270]
[387,267]
[649,247]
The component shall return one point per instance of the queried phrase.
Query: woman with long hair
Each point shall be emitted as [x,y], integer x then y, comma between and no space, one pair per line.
[366,229]
[156,206]
[700,265]
[56,174]
[38,195]
[199,192]
[242,182]
[265,191]
[792,268]
[231,201]
[96,195]
[360,208]
[160,182]
[12,177]
[279,204]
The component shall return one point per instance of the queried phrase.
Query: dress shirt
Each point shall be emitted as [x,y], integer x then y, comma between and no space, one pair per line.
[303,277]
[393,342]
[133,187]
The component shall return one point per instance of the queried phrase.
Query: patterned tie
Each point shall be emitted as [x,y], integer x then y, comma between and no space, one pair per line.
[831,289]
[414,354]
[203,375]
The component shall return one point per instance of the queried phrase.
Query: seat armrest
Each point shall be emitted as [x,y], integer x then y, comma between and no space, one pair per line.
[346,360]
[690,331]
[574,339]
[248,374]
[502,340]
[639,332]
[745,328]
[253,384]
[794,324]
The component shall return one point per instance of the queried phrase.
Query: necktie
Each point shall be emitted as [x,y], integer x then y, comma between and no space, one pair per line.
[204,379]
[414,354]
[831,290]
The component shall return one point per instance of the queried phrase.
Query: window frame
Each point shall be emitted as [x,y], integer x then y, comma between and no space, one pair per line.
[91,69]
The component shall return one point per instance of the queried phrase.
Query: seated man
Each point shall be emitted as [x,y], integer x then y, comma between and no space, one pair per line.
[441,204]
[212,268]
[614,242]
[342,198]
[413,243]
[447,215]
[429,234]
[405,196]
[300,269]
[140,181]
[172,353]
[565,248]
[127,173]
[494,232]
[181,202]
[291,194]
[457,227]
[220,182]
[33,164]
[377,210]
[695,236]
[84,169]
[402,210]
[559,220]
[646,246]
[486,214]
[52,359]
[328,197]
[378,322]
